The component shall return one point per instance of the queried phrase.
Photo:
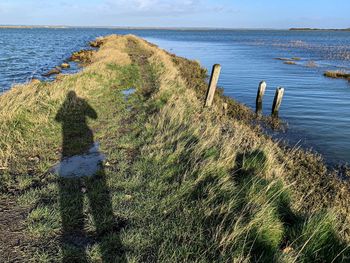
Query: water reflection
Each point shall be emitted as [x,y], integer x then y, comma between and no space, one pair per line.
[86,164]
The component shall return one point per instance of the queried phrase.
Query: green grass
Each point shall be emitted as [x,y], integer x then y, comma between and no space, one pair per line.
[180,184]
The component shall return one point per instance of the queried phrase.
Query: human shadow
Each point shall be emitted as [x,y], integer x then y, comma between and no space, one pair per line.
[82,174]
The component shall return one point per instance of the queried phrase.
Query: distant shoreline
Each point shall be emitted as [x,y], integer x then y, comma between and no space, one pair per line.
[133,28]
[129,28]
[163,28]
[29,27]
[319,29]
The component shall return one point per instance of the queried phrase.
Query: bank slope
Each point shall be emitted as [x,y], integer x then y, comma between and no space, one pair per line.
[180,183]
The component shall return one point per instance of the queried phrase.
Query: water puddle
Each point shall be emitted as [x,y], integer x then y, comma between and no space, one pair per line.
[81,165]
[128,92]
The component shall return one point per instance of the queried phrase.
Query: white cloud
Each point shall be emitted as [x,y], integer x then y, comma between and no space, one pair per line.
[146,4]
[160,7]
[113,12]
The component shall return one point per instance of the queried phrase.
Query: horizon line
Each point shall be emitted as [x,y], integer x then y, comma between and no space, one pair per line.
[143,27]
[4,26]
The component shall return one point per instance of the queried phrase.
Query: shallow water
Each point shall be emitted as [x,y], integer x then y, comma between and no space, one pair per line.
[128,92]
[316,108]
[83,165]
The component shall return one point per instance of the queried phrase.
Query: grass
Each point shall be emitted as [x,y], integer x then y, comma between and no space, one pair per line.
[180,183]
[337,74]
[289,62]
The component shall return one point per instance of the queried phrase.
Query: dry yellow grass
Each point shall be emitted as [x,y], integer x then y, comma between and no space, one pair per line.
[27,101]
[236,186]
[337,74]
[288,165]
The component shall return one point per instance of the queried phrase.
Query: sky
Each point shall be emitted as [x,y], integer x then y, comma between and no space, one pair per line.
[277,14]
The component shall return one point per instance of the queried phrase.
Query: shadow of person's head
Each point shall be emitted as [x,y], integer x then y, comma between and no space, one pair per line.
[71,96]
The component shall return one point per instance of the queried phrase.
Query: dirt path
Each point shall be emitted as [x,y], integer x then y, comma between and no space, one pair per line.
[11,230]
[13,242]
[140,57]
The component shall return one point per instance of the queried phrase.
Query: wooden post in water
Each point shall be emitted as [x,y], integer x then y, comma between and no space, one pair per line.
[212,85]
[259,97]
[277,101]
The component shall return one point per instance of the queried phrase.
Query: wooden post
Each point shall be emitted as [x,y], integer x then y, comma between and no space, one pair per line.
[224,107]
[259,97]
[277,101]
[212,85]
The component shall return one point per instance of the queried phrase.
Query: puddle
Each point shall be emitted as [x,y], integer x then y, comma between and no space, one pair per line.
[81,165]
[128,92]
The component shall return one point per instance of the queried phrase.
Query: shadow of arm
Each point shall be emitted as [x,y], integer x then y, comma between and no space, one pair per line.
[90,112]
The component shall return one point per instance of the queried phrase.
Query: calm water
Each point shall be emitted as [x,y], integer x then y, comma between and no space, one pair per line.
[317,109]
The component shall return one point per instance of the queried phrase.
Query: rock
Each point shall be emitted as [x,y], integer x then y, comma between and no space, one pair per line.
[83,56]
[65,65]
[97,43]
[128,197]
[35,81]
[60,77]
[287,250]
[35,159]
[290,62]
[54,71]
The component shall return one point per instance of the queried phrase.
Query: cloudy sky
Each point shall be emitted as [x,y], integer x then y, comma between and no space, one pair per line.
[178,13]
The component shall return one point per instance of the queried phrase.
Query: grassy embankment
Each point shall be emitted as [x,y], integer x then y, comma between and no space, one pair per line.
[184,183]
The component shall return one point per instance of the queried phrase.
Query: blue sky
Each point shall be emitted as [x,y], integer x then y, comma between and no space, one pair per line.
[178,13]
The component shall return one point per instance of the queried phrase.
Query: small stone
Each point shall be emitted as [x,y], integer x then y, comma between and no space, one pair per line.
[128,197]
[287,250]
[83,56]
[65,65]
[224,108]
[97,43]
[35,159]
[54,71]
[35,81]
